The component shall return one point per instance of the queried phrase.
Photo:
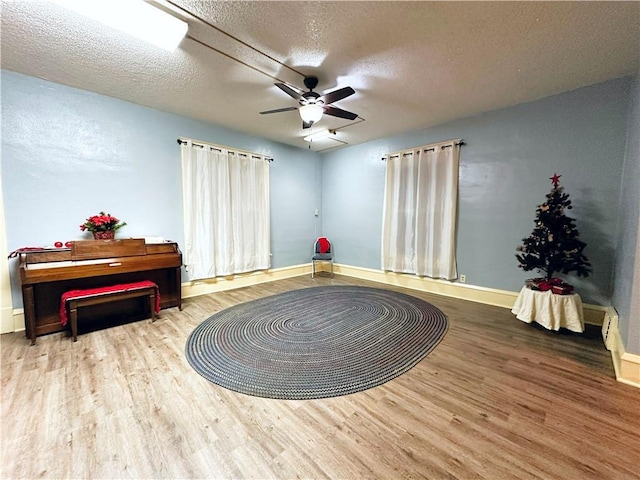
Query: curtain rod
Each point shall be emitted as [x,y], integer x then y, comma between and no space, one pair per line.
[432,149]
[220,148]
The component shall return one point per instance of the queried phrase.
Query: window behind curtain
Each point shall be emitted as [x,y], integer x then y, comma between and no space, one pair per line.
[226,211]
[419,215]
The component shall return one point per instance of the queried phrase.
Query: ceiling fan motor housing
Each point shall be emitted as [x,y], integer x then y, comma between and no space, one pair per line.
[311,82]
[311,98]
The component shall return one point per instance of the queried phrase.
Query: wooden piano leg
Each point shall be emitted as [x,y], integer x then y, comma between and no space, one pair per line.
[29,312]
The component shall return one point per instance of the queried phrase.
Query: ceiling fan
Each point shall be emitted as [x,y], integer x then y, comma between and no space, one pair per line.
[312,104]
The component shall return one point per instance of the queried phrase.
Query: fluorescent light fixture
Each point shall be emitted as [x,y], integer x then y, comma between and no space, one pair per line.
[133,17]
[320,134]
[311,113]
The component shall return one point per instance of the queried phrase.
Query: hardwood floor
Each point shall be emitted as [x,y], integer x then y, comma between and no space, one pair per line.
[497,399]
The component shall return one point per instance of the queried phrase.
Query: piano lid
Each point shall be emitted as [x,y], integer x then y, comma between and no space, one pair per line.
[95,249]
[98,258]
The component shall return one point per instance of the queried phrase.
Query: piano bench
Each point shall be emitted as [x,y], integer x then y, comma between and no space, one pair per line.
[110,294]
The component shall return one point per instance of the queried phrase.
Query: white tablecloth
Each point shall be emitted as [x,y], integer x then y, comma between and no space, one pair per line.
[550,310]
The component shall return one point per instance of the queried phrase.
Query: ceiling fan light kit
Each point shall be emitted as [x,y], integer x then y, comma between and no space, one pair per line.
[311,113]
[133,17]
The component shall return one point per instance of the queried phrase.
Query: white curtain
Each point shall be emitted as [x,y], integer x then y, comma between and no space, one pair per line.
[226,211]
[419,216]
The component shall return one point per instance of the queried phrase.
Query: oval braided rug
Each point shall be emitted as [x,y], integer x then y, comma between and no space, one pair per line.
[316,342]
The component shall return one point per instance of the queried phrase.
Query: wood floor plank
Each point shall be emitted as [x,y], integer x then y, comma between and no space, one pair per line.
[496,399]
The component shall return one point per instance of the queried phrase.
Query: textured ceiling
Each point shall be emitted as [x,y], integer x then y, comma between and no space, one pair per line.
[412,64]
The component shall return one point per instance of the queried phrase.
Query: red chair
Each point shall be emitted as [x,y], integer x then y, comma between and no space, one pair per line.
[322,252]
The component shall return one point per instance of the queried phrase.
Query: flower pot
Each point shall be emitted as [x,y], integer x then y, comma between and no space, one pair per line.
[108,235]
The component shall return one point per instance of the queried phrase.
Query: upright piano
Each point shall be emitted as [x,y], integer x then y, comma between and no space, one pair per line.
[47,274]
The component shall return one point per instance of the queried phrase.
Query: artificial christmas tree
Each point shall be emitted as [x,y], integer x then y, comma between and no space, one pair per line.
[553,246]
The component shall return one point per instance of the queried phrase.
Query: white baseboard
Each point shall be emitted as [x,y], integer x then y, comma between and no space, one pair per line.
[7,320]
[220,284]
[626,365]
[17,321]
[593,314]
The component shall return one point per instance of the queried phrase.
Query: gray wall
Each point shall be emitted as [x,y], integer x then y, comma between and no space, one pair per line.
[68,154]
[626,286]
[504,175]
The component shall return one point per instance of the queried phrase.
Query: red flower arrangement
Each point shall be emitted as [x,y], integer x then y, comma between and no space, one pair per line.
[104,222]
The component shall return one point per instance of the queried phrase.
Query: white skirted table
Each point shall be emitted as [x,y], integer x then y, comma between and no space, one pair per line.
[550,310]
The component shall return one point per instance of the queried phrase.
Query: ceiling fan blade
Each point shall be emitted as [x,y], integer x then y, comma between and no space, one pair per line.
[338,112]
[306,124]
[337,95]
[278,110]
[289,91]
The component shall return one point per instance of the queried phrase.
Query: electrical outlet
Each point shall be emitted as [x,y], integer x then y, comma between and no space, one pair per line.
[463,278]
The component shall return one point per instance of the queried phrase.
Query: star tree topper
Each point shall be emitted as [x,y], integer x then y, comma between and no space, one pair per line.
[555,179]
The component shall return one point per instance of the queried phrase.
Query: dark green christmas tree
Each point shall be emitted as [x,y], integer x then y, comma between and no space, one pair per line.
[553,246]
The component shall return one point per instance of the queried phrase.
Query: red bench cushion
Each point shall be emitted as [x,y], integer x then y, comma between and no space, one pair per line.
[124,287]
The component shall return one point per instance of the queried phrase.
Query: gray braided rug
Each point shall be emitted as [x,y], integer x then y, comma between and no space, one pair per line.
[316,342]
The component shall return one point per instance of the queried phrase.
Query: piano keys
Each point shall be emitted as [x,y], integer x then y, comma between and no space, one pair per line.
[46,274]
